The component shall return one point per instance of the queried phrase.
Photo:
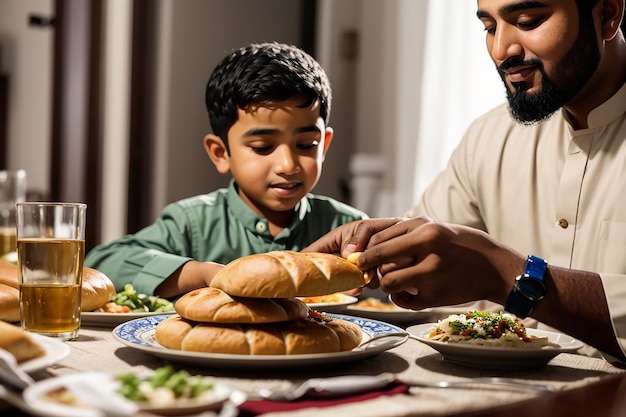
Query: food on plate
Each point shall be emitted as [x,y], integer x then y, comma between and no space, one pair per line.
[19,343]
[165,387]
[287,274]
[214,305]
[97,289]
[309,335]
[489,329]
[251,308]
[129,301]
[325,299]
[376,304]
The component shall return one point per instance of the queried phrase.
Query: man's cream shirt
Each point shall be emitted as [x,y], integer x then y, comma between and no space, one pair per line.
[545,190]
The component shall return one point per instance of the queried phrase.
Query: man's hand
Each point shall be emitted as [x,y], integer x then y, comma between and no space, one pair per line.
[351,237]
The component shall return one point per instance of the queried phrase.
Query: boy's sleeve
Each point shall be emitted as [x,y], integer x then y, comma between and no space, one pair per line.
[145,259]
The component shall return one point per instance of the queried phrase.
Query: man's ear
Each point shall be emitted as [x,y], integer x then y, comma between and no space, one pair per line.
[216,150]
[612,12]
[328,137]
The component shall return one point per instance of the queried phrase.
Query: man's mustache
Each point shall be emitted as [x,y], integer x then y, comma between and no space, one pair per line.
[518,62]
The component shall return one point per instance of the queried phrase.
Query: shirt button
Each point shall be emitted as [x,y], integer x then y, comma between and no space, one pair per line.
[261,227]
[563,223]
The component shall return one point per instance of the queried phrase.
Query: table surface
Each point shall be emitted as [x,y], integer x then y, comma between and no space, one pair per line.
[585,385]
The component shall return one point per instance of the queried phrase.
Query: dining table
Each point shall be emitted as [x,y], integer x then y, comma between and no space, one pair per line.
[579,385]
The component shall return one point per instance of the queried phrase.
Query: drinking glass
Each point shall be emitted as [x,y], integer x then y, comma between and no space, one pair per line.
[50,255]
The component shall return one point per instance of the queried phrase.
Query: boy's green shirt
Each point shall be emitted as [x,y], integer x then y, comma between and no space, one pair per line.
[217,227]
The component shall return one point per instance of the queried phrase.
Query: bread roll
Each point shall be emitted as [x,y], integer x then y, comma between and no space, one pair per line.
[294,337]
[19,343]
[214,305]
[288,274]
[8,274]
[98,289]
[9,304]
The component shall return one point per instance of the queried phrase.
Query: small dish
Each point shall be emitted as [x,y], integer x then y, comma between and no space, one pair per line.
[333,303]
[104,385]
[55,350]
[497,358]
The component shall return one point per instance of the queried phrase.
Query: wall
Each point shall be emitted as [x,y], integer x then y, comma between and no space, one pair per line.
[195,35]
[26,57]
[377,85]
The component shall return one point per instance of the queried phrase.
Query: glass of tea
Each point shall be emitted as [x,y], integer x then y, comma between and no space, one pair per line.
[50,255]
[12,190]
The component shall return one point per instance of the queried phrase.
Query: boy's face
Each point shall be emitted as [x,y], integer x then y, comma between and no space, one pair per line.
[276,154]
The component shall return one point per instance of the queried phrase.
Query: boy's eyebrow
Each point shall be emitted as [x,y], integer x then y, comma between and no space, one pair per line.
[268,131]
[513,7]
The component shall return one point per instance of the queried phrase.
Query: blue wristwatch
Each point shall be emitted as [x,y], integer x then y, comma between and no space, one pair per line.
[529,288]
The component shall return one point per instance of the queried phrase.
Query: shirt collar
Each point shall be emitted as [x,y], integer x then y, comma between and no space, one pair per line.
[250,219]
[608,111]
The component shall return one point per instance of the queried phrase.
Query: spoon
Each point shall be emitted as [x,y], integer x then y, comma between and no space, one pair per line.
[382,341]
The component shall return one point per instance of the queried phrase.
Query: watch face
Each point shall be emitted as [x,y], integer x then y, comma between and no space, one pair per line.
[532,287]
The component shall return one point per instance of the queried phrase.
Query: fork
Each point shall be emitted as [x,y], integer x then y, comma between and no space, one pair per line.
[482,382]
[352,384]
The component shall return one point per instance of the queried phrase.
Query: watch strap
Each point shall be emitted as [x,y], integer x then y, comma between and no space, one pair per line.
[528,289]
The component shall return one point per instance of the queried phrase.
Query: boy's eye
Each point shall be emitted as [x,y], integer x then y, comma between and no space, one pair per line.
[309,145]
[265,149]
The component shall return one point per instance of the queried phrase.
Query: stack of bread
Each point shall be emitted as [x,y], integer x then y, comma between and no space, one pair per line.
[251,308]
[97,290]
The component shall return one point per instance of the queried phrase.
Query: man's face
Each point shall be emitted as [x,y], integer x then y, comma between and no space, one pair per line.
[544,53]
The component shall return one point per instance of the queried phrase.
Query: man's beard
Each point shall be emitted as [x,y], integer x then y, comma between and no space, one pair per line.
[572,73]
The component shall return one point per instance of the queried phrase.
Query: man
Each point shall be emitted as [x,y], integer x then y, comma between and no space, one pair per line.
[541,175]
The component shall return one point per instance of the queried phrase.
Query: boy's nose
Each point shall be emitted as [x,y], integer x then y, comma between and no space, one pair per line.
[286,161]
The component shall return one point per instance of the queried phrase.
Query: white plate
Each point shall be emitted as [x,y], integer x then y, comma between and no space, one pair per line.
[493,357]
[336,307]
[104,385]
[397,315]
[93,318]
[55,350]
[139,334]
[405,316]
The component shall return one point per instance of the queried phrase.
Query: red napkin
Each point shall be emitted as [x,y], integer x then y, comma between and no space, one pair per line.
[252,408]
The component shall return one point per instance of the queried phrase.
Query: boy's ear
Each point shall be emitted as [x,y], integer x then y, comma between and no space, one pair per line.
[216,150]
[328,137]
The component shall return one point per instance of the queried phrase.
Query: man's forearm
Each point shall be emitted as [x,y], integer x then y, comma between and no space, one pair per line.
[575,303]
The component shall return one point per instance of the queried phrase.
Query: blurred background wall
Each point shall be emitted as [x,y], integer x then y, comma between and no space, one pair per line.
[105,98]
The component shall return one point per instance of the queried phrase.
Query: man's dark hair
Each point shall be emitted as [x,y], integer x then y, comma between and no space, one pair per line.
[262,73]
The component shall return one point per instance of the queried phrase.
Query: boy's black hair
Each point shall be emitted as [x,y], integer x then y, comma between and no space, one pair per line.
[261,73]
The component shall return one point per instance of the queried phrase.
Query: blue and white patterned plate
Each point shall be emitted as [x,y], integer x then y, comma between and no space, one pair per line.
[139,334]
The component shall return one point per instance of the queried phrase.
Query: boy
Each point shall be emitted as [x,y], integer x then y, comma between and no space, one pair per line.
[269,106]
